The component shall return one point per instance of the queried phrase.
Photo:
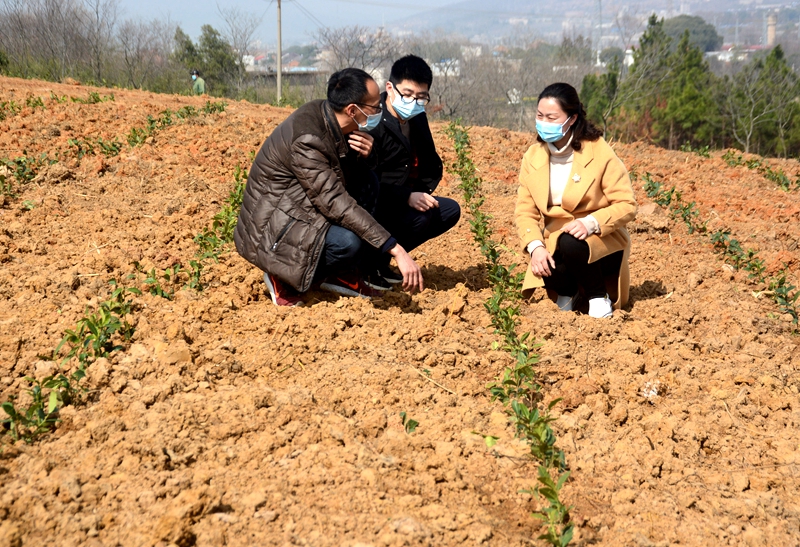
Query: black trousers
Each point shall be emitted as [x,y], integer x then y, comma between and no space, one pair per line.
[412,228]
[573,271]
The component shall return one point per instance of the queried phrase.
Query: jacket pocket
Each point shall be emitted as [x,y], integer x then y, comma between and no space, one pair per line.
[283,233]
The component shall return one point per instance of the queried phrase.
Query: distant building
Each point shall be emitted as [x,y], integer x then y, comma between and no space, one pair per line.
[446,68]
[732,53]
[470,52]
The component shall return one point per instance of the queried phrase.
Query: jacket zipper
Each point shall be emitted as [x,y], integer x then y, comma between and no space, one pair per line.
[282,232]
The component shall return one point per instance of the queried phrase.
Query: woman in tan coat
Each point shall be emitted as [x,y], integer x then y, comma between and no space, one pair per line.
[574,200]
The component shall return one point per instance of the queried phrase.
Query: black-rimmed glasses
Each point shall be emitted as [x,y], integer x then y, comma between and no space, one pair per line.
[422,101]
[408,99]
[376,107]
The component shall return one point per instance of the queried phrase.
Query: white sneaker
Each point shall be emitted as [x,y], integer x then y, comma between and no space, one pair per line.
[566,303]
[600,307]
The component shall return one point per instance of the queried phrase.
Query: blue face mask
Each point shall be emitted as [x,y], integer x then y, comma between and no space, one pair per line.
[372,121]
[194,76]
[405,110]
[550,132]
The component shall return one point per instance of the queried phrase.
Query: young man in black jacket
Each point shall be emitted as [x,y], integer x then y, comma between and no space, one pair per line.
[409,169]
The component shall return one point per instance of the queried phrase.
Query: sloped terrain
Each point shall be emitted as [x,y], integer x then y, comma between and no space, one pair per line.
[228,421]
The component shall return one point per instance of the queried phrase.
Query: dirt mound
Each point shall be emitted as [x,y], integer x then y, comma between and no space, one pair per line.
[227,421]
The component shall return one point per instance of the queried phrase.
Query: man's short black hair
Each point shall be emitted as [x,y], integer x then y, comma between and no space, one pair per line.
[347,86]
[411,68]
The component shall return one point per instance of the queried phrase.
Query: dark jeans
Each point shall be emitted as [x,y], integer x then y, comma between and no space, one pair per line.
[341,252]
[573,271]
[412,228]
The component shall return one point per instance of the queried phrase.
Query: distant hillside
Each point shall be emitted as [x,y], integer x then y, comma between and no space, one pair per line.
[489,22]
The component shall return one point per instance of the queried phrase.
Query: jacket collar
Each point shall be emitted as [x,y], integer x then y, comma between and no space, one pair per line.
[582,157]
[392,123]
[580,178]
[334,129]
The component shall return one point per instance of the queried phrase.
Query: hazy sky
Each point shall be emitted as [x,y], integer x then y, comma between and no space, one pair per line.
[300,17]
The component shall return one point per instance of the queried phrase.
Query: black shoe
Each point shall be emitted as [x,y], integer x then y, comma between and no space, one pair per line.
[377,282]
[389,275]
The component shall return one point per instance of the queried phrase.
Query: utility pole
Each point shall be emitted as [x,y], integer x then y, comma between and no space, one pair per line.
[600,36]
[280,56]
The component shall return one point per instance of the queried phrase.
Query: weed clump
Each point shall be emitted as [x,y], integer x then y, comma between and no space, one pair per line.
[8,109]
[97,334]
[702,151]
[673,199]
[758,164]
[93,98]
[212,240]
[138,136]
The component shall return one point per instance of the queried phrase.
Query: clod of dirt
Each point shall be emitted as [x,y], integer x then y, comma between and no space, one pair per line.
[54,174]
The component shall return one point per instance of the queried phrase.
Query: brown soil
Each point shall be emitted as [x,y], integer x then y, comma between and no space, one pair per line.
[231,422]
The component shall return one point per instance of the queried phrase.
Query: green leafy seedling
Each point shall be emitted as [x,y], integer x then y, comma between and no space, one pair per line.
[410,425]
[490,440]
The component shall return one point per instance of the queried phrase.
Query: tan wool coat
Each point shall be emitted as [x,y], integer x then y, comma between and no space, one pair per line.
[598,185]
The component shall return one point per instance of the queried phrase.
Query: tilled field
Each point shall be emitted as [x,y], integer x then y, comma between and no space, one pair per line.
[227,421]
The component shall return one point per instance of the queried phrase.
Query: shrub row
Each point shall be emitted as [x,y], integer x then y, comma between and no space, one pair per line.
[778,288]
[518,389]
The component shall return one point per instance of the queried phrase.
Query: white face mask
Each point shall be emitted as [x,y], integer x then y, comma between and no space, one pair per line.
[406,110]
[372,121]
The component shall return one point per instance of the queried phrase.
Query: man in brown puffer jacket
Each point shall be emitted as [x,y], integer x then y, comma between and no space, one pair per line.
[298,222]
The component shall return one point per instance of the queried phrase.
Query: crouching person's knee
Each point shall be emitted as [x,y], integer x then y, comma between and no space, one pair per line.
[342,244]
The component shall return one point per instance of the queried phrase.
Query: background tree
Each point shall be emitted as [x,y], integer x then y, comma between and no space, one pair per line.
[3,62]
[641,91]
[145,49]
[612,54]
[186,52]
[99,20]
[784,96]
[238,31]
[702,35]
[687,113]
[358,47]
[749,106]
[599,95]
[573,60]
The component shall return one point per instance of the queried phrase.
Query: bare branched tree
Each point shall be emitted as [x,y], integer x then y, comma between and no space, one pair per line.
[145,49]
[629,23]
[358,47]
[240,27]
[99,20]
[748,104]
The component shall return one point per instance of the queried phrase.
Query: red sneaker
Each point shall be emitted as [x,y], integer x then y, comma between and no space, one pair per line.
[349,284]
[281,294]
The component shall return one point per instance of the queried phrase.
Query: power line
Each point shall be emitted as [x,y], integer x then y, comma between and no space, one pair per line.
[308,14]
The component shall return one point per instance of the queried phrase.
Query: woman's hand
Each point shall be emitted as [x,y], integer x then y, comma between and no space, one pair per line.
[541,262]
[576,229]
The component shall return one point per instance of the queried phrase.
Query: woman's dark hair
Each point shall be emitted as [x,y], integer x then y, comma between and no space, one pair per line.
[347,86]
[568,100]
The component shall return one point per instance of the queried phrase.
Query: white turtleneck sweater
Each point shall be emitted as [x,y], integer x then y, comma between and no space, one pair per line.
[560,168]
